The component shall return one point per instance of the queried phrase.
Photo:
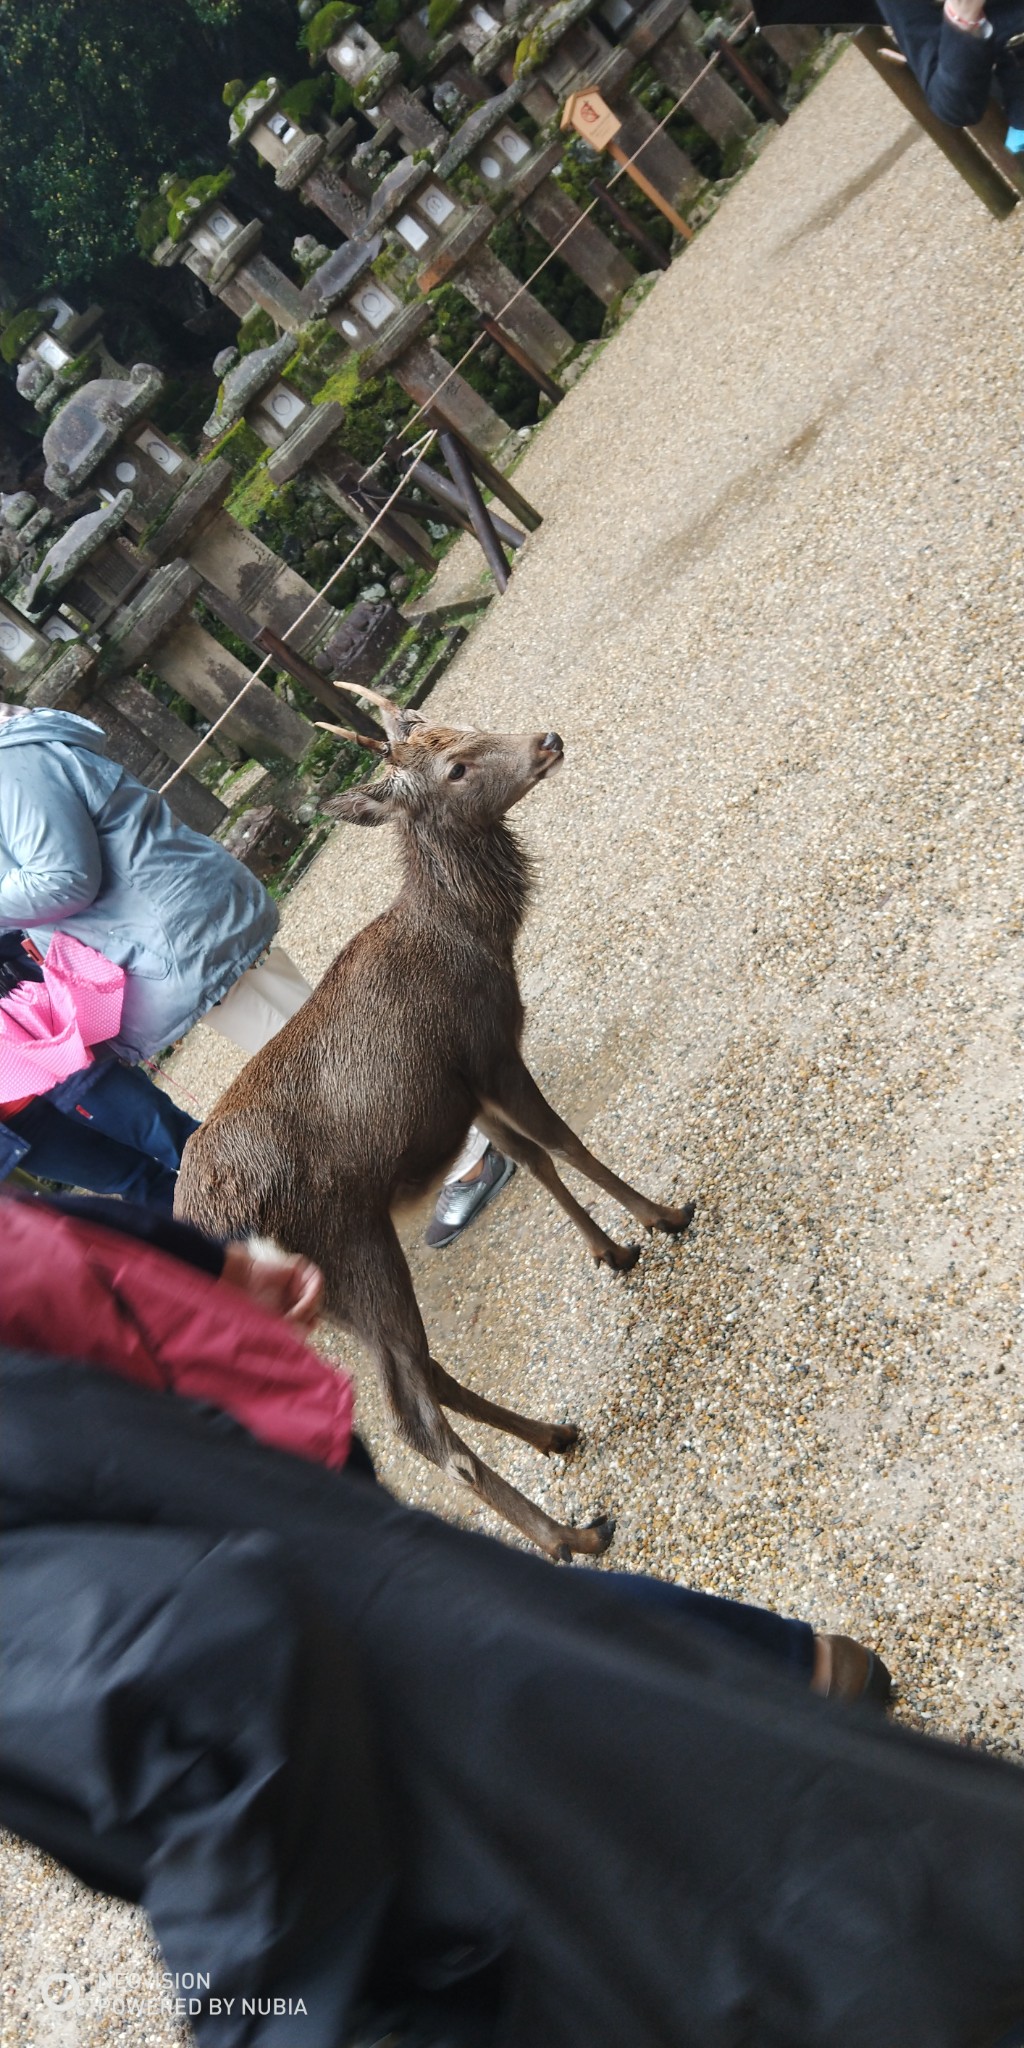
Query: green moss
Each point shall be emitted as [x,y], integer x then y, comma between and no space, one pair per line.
[319,352]
[342,387]
[301,102]
[257,330]
[248,104]
[184,205]
[440,13]
[489,371]
[241,449]
[251,498]
[233,92]
[342,100]
[326,26]
[19,331]
[376,411]
[151,224]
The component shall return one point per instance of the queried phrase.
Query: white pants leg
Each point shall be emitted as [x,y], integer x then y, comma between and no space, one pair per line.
[262,999]
[472,1151]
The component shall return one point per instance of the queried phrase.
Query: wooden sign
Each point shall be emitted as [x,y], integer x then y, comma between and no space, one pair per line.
[592,117]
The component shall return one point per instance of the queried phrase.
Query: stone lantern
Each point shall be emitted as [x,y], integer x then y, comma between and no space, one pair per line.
[303,436]
[225,254]
[567,53]
[375,79]
[387,333]
[520,175]
[311,165]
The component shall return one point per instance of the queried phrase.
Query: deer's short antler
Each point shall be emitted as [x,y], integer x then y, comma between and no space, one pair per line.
[344,732]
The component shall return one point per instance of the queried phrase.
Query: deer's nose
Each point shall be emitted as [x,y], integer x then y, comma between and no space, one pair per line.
[551,743]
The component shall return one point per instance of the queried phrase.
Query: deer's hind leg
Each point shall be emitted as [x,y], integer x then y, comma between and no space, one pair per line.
[382,1309]
[540,1163]
[520,1104]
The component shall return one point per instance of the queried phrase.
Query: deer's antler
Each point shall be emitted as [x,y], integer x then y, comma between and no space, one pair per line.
[397,723]
[344,732]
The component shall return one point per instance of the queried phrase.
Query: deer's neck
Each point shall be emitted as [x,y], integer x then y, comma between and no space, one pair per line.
[479,881]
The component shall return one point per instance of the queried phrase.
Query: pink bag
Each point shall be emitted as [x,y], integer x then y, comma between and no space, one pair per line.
[47,1027]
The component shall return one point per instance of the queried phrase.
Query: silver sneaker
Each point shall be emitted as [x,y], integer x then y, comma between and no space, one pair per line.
[462,1200]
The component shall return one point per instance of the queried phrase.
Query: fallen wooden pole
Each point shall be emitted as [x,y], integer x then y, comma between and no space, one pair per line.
[320,687]
[450,502]
[494,480]
[455,456]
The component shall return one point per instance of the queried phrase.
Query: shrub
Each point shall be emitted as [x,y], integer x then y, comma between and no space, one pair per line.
[325,27]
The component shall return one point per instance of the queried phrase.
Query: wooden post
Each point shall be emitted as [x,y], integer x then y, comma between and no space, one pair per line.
[318,686]
[962,150]
[547,384]
[747,76]
[455,456]
[632,170]
[592,117]
[659,259]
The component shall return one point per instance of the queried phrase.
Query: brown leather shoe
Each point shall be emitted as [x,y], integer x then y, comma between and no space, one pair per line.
[847,1670]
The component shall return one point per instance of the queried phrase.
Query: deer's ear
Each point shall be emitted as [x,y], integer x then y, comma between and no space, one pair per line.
[372,805]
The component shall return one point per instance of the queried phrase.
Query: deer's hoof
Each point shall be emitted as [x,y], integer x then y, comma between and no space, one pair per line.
[561,1554]
[676,1220]
[563,1438]
[600,1530]
[621,1257]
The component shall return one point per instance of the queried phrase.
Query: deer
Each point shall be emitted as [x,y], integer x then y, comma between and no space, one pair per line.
[363,1099]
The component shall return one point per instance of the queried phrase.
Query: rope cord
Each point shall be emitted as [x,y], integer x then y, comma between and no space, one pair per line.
[419,449]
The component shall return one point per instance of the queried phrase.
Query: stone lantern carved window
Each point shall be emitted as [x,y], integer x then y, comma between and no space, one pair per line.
[160,452]
[483,19]
[125,472]
[222,225]
[59,628]
[15,645]
[374,304]
[512,144]
[349,328]
[435,204]
[617,13]
[280,126]
[284,405]
[50,352]
[411,231]
[492,169]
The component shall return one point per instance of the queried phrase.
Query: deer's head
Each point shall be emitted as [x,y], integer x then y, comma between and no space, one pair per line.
[448,773]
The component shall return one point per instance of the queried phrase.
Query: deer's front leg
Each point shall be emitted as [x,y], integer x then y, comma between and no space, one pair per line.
[540,1163]
[521,1104]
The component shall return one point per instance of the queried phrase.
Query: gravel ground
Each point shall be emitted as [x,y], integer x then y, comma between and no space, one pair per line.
[775,958]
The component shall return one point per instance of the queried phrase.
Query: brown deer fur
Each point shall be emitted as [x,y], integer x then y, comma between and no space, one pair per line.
[365,1097]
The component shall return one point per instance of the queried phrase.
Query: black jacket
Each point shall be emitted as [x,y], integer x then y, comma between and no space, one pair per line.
[636,1836]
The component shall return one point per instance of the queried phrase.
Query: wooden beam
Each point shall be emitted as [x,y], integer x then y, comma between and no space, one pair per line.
[659,259]
[519,355]
[977,169]
[747,76]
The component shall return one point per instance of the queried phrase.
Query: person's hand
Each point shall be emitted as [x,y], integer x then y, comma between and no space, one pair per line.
[282,1282]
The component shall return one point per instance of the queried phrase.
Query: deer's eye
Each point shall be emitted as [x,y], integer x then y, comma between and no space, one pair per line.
[456,773]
